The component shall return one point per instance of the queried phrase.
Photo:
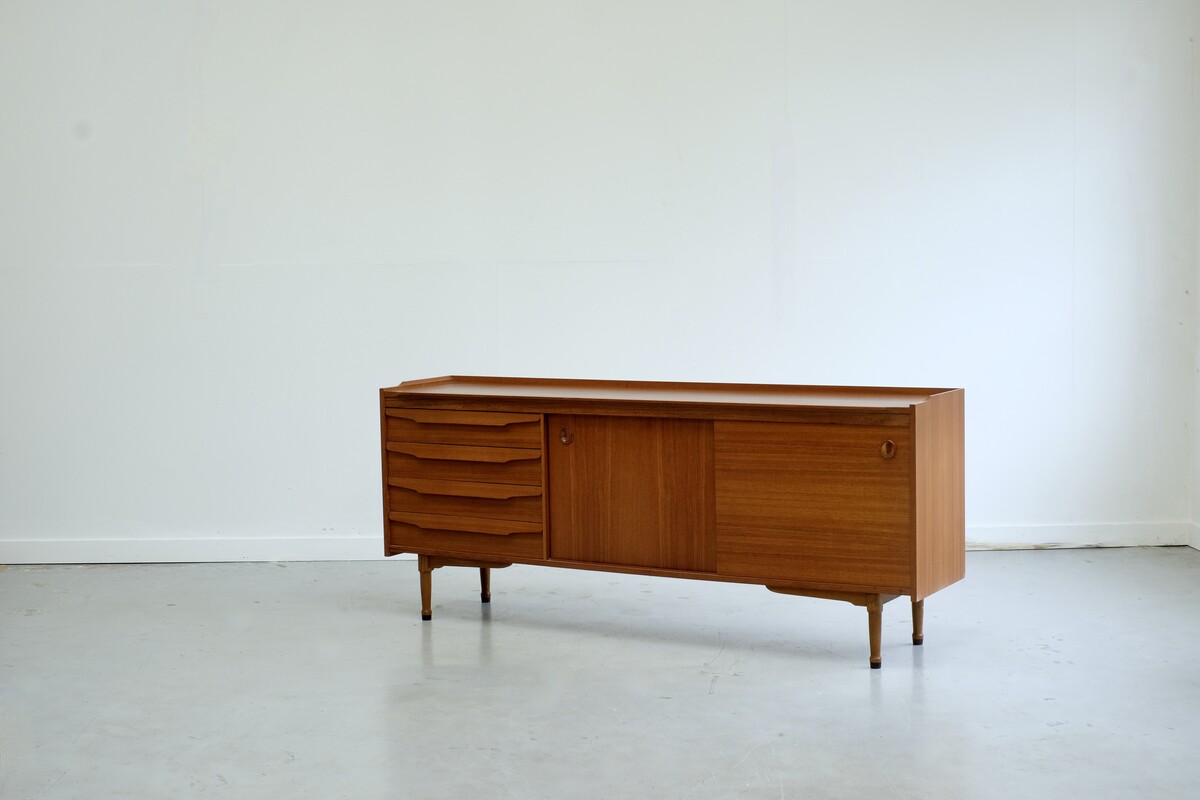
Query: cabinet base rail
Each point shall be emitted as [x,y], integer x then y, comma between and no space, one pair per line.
[873,602]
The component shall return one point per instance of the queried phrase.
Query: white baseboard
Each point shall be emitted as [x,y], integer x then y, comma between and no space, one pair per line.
[1046,537]
[149,551]
[366,548]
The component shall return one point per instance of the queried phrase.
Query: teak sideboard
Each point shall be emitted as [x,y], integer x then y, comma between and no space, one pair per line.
[845,493]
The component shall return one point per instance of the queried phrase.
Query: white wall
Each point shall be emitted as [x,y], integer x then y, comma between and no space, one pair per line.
[223,225]
[1195,531]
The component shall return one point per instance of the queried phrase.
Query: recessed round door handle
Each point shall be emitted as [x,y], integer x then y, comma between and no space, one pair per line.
[888,449]
[566,436]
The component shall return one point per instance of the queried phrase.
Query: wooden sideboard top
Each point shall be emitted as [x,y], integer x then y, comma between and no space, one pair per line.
[584,396]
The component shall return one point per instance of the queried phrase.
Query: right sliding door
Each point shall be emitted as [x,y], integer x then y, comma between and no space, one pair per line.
[826,505]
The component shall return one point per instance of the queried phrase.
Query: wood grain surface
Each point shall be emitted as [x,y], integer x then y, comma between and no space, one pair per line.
[407,460]
[939,545]
[813,503]
[463,427]
[466,498]
[405,537]
[854,405]
[631,491]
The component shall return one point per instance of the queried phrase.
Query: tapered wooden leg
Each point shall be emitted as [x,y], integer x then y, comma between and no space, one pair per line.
[426,587]
[918,621]
[873,602]
[485,584]
[875,624]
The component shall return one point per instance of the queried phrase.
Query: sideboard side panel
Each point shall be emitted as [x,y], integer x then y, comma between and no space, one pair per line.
[939,484]
[383,459]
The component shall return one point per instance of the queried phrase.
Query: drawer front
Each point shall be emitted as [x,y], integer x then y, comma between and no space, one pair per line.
[465,498]
[486,428]
[822,504]
[464,483]
[458,463]
[434,534]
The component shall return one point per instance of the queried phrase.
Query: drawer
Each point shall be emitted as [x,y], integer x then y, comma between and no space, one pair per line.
[446,462]
[437,534]
[487,428]
[466,498]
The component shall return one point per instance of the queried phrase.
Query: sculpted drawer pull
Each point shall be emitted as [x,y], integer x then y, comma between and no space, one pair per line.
[888,449]
[486,491]
[451,452]
[488,419]
[438,522]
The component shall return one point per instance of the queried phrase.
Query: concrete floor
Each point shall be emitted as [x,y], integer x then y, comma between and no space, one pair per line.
[1060,674]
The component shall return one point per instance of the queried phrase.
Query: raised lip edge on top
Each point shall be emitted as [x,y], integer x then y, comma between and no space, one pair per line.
[774,388]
